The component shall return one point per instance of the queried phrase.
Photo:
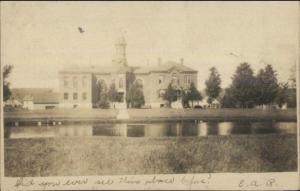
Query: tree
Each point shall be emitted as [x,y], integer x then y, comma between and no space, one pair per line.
[292,98]
[113,94]
[171,94]
[194,94]
[213,83]
[227,101]
[185,98]
[6,90]
[102,95]
[135,96]
[282,94]
[266,86]
[243,86]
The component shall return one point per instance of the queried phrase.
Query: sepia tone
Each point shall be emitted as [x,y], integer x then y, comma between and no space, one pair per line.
[103,88]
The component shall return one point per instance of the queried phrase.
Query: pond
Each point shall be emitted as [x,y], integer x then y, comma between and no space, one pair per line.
[164,129]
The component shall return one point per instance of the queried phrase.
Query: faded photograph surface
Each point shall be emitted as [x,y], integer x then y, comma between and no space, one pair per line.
[135,88]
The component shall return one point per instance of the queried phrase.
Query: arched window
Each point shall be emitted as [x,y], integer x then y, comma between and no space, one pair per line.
[160,79]
[185,79]
[175,80]
[101,85]
[161,93]
[189,79]
[139,82]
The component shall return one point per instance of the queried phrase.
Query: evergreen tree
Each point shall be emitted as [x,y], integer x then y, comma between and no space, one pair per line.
[194,94]
[213,83]
[171,94]
[282,94]
[185,98]
[292,98]
[113,94]
[243,86]
[266,85]
[227,100]
[135,96]
[102,95]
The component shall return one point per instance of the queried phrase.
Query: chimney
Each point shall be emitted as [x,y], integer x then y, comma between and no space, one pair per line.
[159,61]
[181,61]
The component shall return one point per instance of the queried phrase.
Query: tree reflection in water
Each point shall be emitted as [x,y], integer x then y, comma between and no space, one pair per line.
[175,129]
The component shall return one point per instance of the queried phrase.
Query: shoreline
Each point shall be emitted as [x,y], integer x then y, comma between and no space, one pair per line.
[83,116]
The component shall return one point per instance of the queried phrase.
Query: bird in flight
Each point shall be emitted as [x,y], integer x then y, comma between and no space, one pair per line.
[232,54]
[81,30]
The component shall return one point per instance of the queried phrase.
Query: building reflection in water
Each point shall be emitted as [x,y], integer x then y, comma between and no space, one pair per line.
[202,129]
[214,128]
[75,131]
[225,128]
[287,127]
[30,132]
[158,130]
[118,129]
[152,130]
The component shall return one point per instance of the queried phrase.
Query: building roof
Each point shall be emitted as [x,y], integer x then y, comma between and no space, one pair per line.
[37,95]
[97,69]
[166,67]
[52,97]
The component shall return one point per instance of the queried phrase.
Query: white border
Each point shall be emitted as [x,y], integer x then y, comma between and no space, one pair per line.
[204,181]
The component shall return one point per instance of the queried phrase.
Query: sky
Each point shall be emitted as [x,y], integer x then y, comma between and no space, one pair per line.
[41,38]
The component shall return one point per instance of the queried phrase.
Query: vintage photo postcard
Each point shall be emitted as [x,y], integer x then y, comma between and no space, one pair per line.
[149,95]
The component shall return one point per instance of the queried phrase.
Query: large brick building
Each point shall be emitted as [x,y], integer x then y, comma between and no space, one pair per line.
[78,85]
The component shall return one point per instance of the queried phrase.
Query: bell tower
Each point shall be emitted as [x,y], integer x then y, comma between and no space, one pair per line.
[120,54]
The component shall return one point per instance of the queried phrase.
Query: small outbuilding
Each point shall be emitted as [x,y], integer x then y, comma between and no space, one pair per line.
[36,98]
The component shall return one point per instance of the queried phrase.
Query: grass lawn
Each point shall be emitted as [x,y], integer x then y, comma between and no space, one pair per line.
[120,155]
[159,114]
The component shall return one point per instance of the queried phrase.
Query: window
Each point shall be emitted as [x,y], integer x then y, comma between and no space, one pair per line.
[75,96]
[66,96]
[175,80]
[66,84]
[185,79]
[139,82]
[84,82]
[161,93]
[121,83]
[75,82]
[84,96]
[160,79]
[189,79]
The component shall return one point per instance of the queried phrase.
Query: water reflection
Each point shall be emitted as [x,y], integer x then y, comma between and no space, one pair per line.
[225,128]
[153,129]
